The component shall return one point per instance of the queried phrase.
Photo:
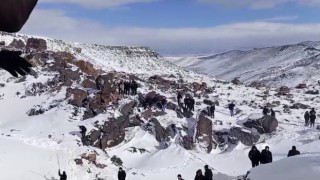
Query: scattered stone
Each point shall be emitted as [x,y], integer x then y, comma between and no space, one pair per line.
[264,124]
[34,44]
[78,162]
[236,81]
[284,90]
[204,132]
[116,160]
[302,86]
[299,106]
[313,92]
[76,96]
[238,134]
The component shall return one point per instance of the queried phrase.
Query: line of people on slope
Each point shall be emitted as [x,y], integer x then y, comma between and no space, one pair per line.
[160,102]
[265,156]
[208,175]
[188,101]
[310,117]
[128,87]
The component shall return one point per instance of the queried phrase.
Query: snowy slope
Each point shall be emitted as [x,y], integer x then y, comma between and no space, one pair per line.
[276,66]
[35,147]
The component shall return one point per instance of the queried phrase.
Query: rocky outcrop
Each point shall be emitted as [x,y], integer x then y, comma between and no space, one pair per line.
[236,81]
[88,68]
[299,106]
[107,84]
[76,96]
[204,132]
[87,83]
[284,90]
[187,142]
[302,86]
[18,44]
[264,124]
[313,92]
[159,131]
[34,44]
[238,134]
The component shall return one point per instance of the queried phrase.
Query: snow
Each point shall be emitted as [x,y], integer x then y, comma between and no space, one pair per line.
[32,145]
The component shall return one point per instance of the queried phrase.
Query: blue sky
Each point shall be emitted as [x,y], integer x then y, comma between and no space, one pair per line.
[179,26]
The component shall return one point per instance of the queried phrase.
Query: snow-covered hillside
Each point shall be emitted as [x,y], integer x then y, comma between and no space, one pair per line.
[40,115]
[275,66]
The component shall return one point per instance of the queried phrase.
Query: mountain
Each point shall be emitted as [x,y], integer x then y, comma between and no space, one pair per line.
[75,84]
[286,65]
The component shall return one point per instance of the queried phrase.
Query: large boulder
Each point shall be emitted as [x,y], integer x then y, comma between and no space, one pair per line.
[312,92]
[67,76]
[302,86]
[106,83]
[127,109]
[88,68]
[299,106]
[238,134]
[34,44]
[76,96]
[19,44]
[87,83]
[236,81]
[204,132]
[284,90]
[159,131]
[187,142]
[264,124]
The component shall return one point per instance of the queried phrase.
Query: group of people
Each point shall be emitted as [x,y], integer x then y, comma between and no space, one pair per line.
[265,156]
[189,103]
[208,175]
[160,102]
[210,110]
[231,107]
[266,111]
[128,87]
[310,117]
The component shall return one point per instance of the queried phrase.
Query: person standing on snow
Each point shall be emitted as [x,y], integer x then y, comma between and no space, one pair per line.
[63,176]
[180,177]
[266,156]
[192,103]
[307,118]
[293,152]
[212,109]
[164,103]
[83,131]
[199,175]
[231,108]
[254,156]
[208,173]
[179,97]
[312,117]
[121,174]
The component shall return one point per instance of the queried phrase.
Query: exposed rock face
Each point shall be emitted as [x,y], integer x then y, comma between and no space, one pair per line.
[88,68]
[160,132]
[204,132]
[68,76]
[238,134]
[107,84]
[313,92]
[127,109]
[78,96]
[299,106]
[35,89]
[265,124]
[236,81]
[172,106]
[87,83]
[302,86]
[187,142]
[284,90]
[19,44]
[94,106]
[34,44]
[114,134]
[257,84]
[147,114]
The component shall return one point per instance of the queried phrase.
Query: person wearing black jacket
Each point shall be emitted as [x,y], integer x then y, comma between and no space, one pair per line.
[180,177]
[208,173]
[266,156]
[273,114]
[265,111]
[63,176]
[293,152]
[307,118]
[192,103]
[231,108]
[179,97]
[254,156]
[199,175]
[212,109]
[312,117]
[83,131]
[121,174]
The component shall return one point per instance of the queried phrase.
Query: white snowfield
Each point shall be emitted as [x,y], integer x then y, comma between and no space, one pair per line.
[275,66]
[35,147]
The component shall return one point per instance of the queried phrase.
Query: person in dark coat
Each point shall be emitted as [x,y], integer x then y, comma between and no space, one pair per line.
[254,156]
[127,87]
[231,108]
[199,175]
[180,177]
[83,131]
[164,103]
[307,118]
[208,173]
[179,97]
[121,174]
[293,152]
[273,114]
[192,103]
[212,109]
[312,117]
[265,111]
[266,156]
[63,176]
[186,102]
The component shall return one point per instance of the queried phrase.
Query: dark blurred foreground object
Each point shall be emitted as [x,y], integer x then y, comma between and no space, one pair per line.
[13,63]
[13,15]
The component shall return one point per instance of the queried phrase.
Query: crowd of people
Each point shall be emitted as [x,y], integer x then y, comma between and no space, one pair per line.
[310,117]
[128,87]
[208,175]
[265,156]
